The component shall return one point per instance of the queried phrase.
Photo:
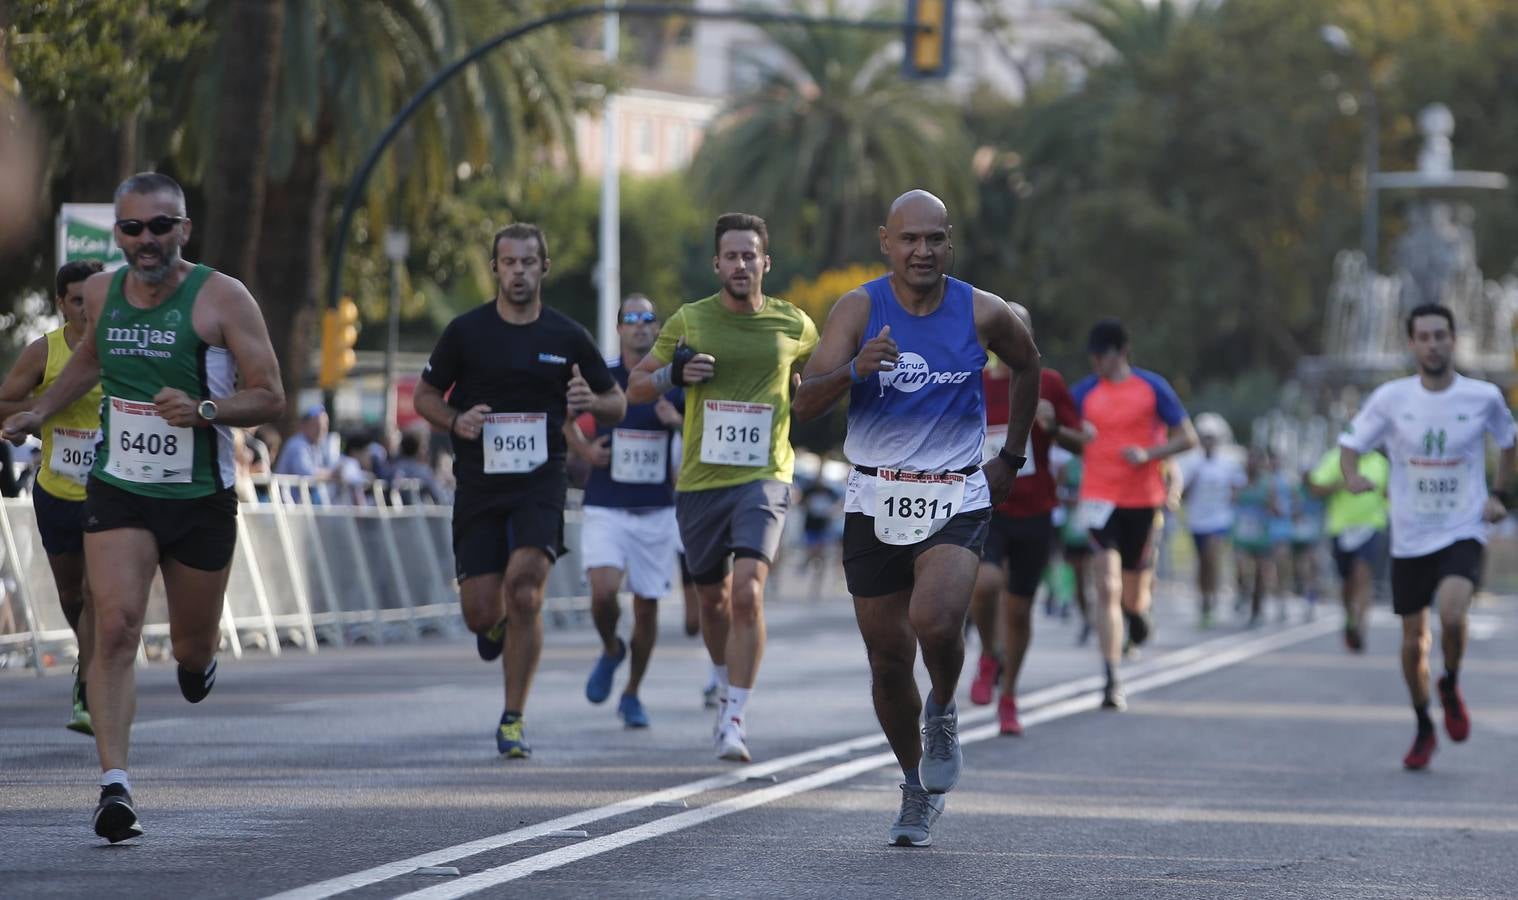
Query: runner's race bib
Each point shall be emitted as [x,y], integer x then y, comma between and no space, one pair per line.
[996,438]
[147,450]
[74,453]
[1436,486]
[736,434]
[515,442]
[911,507]
[1092,515]
[639,457]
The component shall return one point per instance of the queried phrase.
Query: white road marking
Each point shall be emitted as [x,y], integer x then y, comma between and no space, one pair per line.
[566,855]
[1055,702]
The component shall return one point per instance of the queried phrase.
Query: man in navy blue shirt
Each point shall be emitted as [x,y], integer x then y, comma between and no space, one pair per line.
[629,529]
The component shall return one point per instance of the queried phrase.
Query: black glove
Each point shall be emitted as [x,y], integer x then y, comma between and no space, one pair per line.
[683,354]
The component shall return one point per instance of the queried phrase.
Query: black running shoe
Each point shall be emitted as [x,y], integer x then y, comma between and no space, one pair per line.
[115,820]
[490,644]
[196,685]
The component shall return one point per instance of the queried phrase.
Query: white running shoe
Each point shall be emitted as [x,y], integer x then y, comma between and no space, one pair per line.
[730,744]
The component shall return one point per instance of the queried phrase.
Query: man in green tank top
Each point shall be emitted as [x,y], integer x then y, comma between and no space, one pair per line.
[68,451]
[182,355]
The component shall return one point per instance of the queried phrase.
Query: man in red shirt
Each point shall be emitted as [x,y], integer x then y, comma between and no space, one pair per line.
[1021,534]
[1138,422]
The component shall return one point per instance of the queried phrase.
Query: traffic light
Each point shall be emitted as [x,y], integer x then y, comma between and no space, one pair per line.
[928,33]
[339,333]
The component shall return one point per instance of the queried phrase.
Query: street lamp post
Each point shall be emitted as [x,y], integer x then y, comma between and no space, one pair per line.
[397,245]
[1336,38]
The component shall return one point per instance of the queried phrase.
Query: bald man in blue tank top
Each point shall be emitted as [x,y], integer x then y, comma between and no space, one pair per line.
[908,349]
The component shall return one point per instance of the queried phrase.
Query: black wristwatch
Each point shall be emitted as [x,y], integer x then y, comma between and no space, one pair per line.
[1013,461]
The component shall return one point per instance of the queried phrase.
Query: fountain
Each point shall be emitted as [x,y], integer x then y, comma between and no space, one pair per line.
[1435,263]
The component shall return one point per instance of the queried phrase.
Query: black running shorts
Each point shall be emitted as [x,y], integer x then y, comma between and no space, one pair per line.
[200,532]
[1129,531]
[873,569]
[489,525]
[60,523]
[1022,545]
[1416,579]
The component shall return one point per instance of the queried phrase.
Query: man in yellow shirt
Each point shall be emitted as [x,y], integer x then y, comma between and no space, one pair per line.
[1356,523]
[68,452]
[735,353]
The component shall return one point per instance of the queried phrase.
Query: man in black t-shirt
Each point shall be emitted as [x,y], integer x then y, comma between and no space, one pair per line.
[512,371]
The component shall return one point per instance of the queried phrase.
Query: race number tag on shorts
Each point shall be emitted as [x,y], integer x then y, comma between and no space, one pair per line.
[146,449]
[639,457]
[1435,486]
[74,453]
[515,442]
[736,434]
[996,438]
[1092,515]
[911,507]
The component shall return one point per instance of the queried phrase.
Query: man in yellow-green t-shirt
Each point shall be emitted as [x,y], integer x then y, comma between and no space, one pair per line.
[1356,523]
[735,354]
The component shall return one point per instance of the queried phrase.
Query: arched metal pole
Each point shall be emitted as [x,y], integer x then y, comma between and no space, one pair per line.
[361,179]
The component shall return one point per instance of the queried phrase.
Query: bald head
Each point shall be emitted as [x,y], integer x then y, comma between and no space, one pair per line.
[917,206]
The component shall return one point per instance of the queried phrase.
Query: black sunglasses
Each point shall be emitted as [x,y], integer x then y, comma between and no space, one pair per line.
[157,225]
[637,318]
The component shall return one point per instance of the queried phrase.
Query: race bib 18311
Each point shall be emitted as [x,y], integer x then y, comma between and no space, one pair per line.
[145,449]
[515,442]
[911,507]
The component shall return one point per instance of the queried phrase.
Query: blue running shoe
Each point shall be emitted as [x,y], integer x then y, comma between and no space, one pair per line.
[490,643]
[511,742]
[632,712]
[598,685]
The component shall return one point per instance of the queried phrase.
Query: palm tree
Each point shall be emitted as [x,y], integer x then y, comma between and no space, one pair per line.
[346,66]
[248,48]
[829,135]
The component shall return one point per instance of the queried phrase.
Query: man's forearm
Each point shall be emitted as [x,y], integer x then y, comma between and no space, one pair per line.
[609,408]
[433,408]
[818,394]
[72,383]
[247,408]
[1505,461]
[1022,404]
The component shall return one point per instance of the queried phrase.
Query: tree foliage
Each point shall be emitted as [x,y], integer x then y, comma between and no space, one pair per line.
[829,135]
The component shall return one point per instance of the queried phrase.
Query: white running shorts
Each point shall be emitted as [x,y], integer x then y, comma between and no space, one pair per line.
[641,544]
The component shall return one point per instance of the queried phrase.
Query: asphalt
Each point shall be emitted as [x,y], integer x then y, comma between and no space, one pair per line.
[1259,763]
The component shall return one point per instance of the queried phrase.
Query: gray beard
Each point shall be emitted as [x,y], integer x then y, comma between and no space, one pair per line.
[157,274]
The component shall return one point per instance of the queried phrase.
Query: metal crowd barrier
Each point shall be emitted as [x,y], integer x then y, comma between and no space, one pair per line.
[312,566]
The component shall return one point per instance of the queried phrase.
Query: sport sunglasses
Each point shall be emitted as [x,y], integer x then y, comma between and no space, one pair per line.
[639,318]
[158,225]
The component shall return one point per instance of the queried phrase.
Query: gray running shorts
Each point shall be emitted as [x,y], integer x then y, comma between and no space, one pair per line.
[743,520]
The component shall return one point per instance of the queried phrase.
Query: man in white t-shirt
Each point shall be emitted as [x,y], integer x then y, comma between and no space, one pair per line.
[1212,481]
[1434,427]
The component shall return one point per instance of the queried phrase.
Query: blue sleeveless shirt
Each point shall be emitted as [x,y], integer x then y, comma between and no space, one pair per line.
[929,415]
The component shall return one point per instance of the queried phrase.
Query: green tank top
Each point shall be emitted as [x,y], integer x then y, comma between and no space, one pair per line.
[141,352]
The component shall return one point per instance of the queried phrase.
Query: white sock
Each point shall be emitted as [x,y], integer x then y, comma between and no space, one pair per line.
[719,673]
[115,776]
[711,676]
[737,698]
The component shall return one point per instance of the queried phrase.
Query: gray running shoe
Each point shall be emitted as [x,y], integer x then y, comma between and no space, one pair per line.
[919,810]
[941,756]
